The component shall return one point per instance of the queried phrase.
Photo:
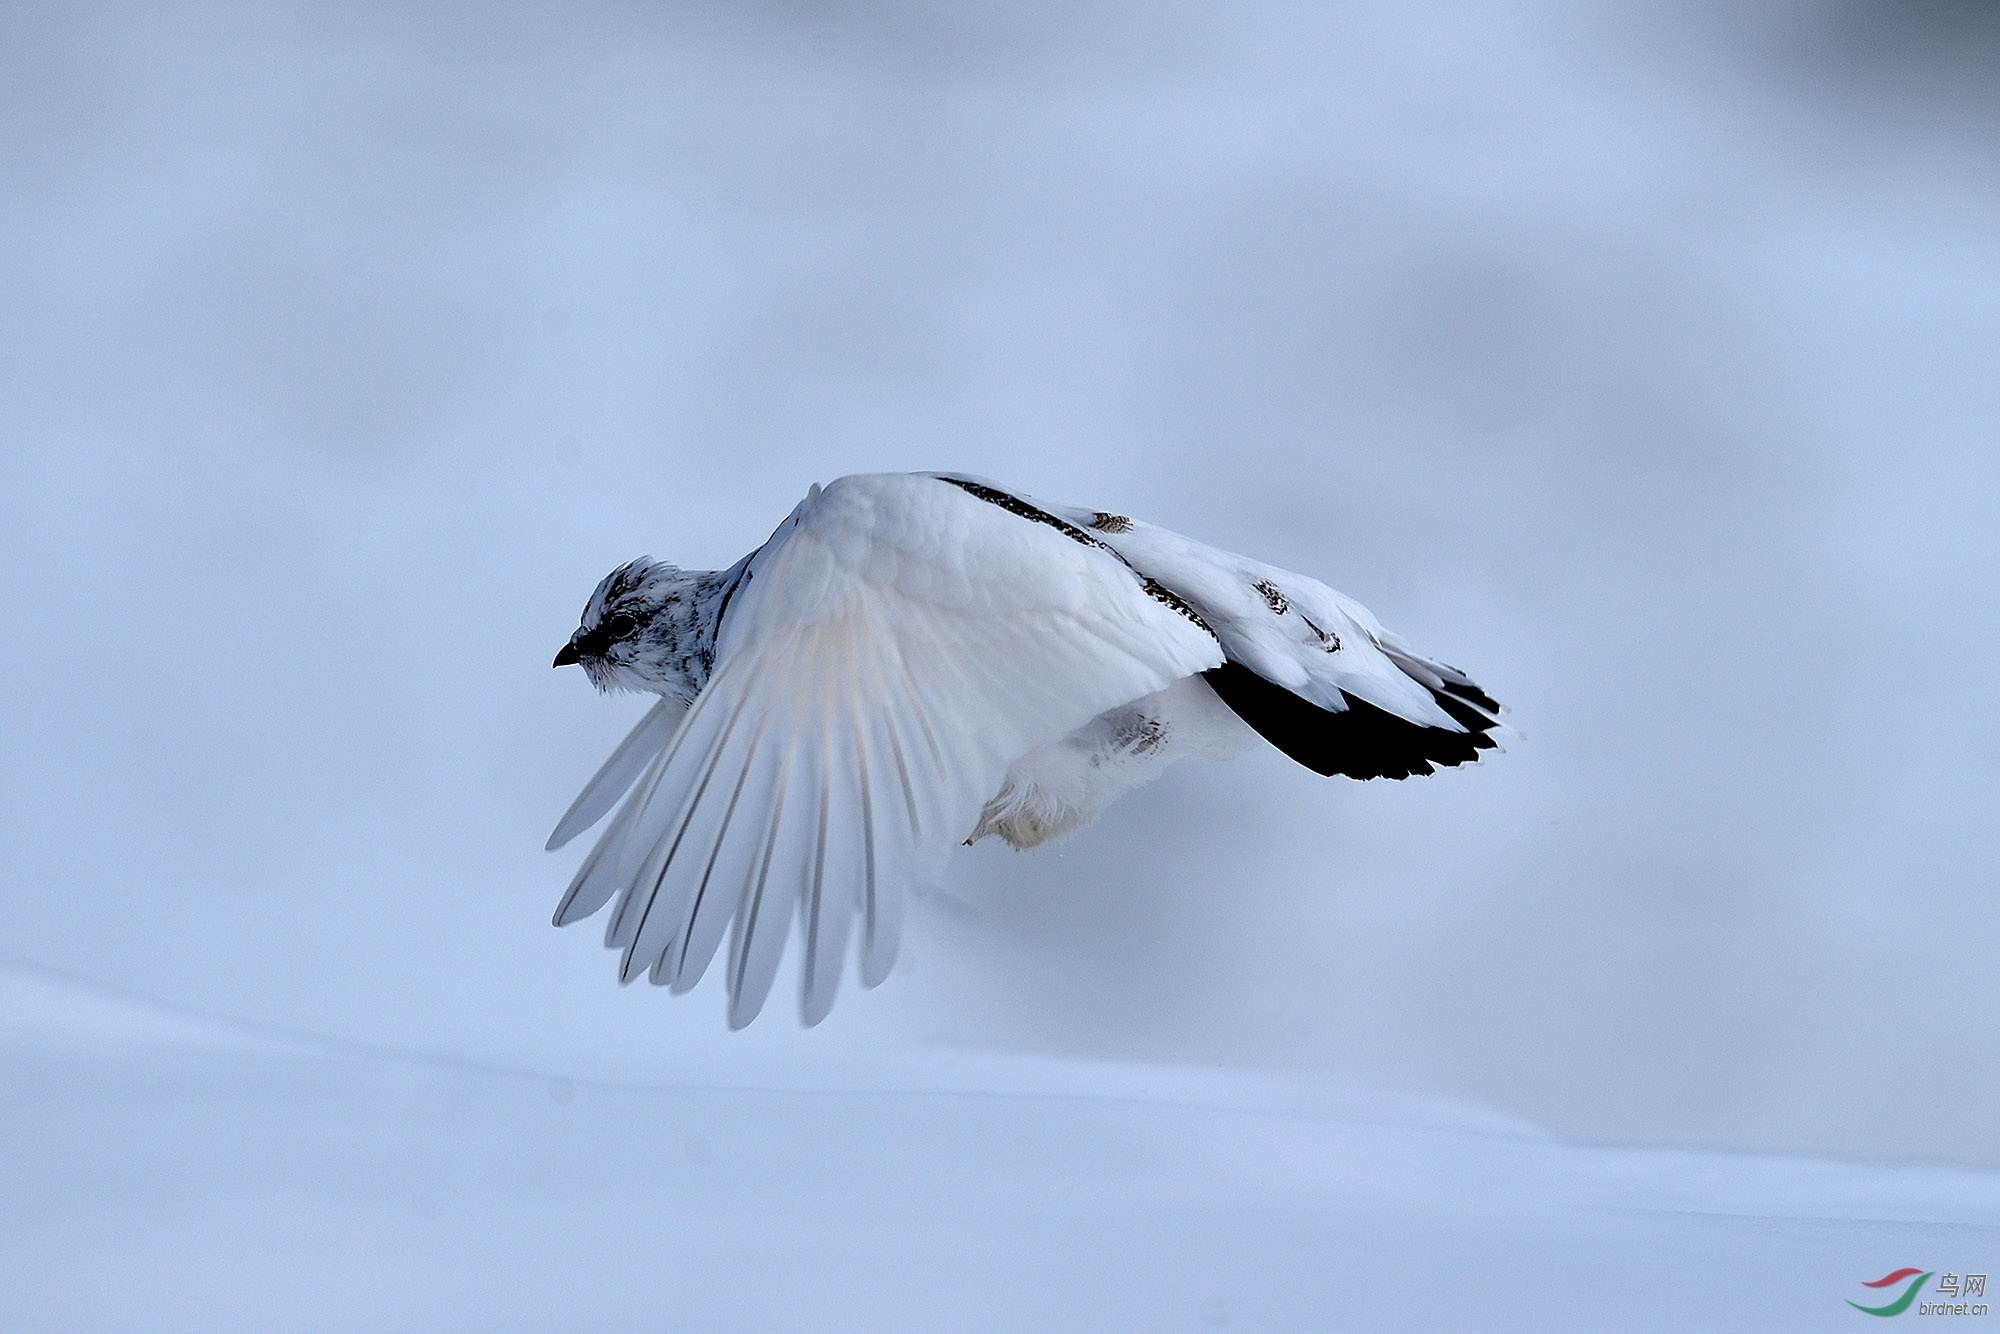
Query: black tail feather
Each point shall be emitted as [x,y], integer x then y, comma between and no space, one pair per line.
[1471,693]
[1364,741]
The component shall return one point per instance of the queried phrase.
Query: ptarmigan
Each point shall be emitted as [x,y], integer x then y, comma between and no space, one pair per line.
[915,661]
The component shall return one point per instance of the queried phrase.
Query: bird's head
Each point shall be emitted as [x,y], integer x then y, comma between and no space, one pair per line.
[637,630]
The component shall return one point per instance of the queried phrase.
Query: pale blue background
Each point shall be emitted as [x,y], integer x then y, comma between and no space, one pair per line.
[1640,359]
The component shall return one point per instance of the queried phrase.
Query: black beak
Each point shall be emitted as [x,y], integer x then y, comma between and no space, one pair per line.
[566,656]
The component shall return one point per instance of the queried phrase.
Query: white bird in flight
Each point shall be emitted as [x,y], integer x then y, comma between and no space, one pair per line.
[915,661]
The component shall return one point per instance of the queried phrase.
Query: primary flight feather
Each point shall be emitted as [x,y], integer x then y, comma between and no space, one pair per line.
[915,661]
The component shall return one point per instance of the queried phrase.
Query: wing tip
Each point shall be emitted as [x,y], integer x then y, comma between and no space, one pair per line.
[628,973]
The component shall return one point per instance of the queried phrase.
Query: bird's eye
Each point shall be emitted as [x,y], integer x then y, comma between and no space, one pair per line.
[620,626]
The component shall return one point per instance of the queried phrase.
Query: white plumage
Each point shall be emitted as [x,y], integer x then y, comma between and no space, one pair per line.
[915,661]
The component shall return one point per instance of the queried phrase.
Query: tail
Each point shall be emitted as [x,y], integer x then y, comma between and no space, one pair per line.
[1364,740]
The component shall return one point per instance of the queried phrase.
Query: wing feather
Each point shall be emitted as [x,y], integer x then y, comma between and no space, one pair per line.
[640,745]
[662,825]
[737,866]
[597,879]
[845,866]
[792,872]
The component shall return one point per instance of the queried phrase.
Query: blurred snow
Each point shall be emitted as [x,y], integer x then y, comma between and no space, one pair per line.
[1639,359]
[175,1174]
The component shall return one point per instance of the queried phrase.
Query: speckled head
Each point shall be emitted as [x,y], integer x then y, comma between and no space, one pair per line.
[642,630]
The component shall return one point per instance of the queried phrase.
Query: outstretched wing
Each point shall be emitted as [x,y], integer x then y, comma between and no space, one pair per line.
[1310,668]
[892,649]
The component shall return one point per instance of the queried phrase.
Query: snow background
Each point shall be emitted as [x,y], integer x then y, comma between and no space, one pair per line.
[1639,359]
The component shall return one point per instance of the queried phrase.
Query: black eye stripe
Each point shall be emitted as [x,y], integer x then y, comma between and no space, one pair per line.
[598,641]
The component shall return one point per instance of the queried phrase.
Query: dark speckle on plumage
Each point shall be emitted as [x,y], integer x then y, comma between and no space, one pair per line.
[1273,596]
